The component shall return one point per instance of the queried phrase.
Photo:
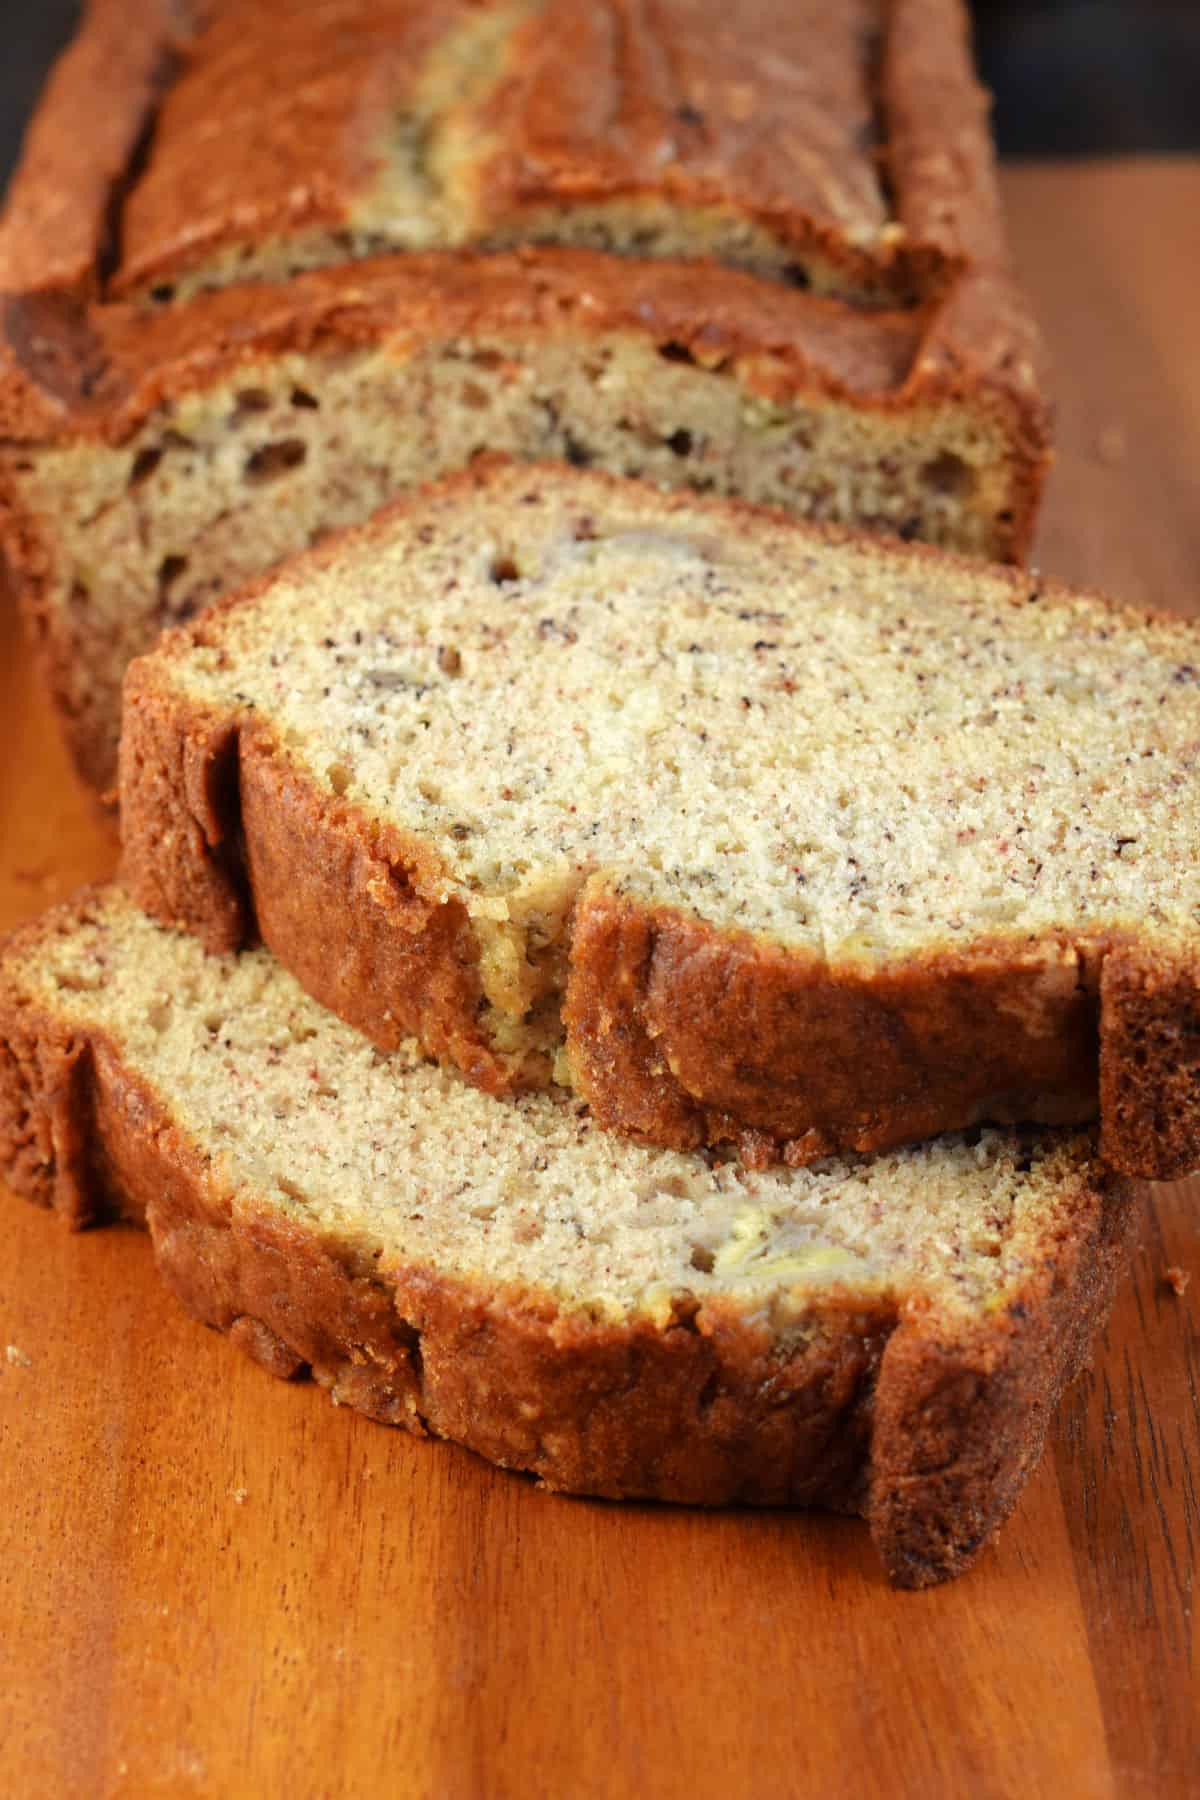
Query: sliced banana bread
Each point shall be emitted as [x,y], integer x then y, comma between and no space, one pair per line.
[744,830]
[886,1337]
[761,257]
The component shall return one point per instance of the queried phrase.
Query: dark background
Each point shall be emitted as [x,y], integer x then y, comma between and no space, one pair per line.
[1071,77]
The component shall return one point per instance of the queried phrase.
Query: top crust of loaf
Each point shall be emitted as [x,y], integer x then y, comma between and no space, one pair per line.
[182,190]
[239,122]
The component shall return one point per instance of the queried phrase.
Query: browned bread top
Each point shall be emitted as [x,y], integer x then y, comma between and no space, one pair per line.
[887,1337]
[840,146]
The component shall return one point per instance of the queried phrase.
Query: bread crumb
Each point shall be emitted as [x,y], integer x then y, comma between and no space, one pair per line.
[1111,445]
[1177,1280]
[14,1355]
[238,1496]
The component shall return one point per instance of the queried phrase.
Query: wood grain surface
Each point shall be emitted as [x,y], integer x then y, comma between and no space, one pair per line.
[214,1584]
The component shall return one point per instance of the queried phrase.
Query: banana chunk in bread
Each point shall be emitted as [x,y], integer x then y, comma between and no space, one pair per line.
[884,1337]
[744,831]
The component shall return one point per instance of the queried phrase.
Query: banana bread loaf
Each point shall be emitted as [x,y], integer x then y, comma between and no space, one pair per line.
[886,1338]
[745,830]
[759,256]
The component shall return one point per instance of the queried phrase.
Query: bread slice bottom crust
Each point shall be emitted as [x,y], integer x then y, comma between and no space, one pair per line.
[924,1422]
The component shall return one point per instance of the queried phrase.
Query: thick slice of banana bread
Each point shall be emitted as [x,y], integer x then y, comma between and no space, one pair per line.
[886,1337]
[760,256]
[814,843]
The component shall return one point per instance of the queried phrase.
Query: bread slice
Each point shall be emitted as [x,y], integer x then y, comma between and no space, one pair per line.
[886,1337]
[743,831]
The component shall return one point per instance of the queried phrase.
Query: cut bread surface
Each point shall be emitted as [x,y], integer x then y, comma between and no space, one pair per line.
[444,1259]
[563,710]
[400,1158]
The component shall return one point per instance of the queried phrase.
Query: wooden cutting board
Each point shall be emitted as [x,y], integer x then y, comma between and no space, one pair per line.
[214,1584]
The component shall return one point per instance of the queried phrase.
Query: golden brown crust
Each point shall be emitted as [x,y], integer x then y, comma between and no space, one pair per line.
[1150,1060]
[404,962]
[43,1141]
[925,1426]
[773,113]
[960,1420]
[280,115]
[269,116]
[782,343]
[181,831]
[683,1034]
[57,229]
[216,825]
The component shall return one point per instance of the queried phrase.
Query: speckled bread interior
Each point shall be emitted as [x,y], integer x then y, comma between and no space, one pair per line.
[887,1337]
[764,260]
[745,831]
